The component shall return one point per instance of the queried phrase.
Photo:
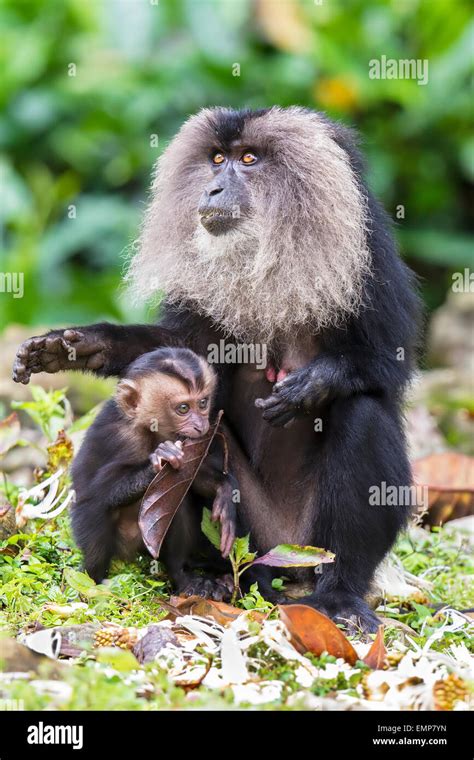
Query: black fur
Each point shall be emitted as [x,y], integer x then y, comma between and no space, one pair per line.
[355,385]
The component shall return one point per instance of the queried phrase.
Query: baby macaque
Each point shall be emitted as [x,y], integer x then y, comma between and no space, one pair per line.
[164,398]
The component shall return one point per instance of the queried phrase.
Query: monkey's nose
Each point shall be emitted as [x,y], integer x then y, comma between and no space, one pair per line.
[215,191]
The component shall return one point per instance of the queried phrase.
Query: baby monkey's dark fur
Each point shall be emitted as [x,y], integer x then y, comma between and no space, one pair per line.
[164,398]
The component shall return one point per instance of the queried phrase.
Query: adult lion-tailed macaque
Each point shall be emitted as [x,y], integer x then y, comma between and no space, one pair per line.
[165,398]
[261,230]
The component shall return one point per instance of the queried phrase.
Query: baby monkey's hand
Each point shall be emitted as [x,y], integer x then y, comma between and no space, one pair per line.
[167,452]
[223,509]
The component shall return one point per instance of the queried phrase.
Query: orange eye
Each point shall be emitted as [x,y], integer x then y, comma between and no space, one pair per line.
[218,158]
[248,158]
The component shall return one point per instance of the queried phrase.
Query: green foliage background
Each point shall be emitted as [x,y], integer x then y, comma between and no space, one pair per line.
[142,66]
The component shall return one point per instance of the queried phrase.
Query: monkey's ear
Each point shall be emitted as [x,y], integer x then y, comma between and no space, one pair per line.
[127,395]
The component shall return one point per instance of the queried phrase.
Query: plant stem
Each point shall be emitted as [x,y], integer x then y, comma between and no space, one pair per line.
[235,571]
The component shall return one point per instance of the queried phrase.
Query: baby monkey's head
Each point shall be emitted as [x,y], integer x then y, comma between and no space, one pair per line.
[169,392]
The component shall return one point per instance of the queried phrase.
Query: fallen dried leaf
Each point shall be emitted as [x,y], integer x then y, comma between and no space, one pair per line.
[449,477]
[376,657]
[311,631]
[221,612]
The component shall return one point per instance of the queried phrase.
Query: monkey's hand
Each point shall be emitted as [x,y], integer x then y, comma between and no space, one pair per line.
[167,452]
[296,395]
[223,509]
[56,351]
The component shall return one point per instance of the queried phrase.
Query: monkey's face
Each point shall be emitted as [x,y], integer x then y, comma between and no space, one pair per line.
[226,199]
[186,416]
[167,405]
[259,220]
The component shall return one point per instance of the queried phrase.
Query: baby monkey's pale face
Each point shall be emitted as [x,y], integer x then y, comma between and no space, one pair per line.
[165,405]
[187,416]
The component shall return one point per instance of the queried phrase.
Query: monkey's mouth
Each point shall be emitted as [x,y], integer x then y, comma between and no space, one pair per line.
[188,437]
[217,221]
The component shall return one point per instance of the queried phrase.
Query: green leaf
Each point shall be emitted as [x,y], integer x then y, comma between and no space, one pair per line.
[240,550]
[49,410]
[212,530]
[83,584]
[84,422]
[293,555]
[254,600]
[121,660]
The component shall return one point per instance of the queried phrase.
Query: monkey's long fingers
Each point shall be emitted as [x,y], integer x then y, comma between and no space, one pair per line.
[52,353]
[85,351]
[175,462]
[156,462]
[216,509]
[279,417]
[26,359]
[227,538]
[291,381]
[84,345]
[276,410]
[267,403]
[171,453]
[72,335]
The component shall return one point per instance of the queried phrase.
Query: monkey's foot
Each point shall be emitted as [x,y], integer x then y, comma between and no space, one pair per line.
[218,589]
[59,350]
[344,609]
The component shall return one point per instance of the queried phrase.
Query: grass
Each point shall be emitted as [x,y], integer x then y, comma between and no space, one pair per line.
[42,585]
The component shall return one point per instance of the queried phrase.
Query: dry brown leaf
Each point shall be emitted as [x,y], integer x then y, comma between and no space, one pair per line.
[196,605]
[449,477]
[311,631]
[60,452]
[376,657]
[167,490]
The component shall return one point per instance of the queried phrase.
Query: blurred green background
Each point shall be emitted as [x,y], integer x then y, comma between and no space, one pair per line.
[142,66]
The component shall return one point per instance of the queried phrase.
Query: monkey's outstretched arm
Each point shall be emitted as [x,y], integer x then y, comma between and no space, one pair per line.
[104,349]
